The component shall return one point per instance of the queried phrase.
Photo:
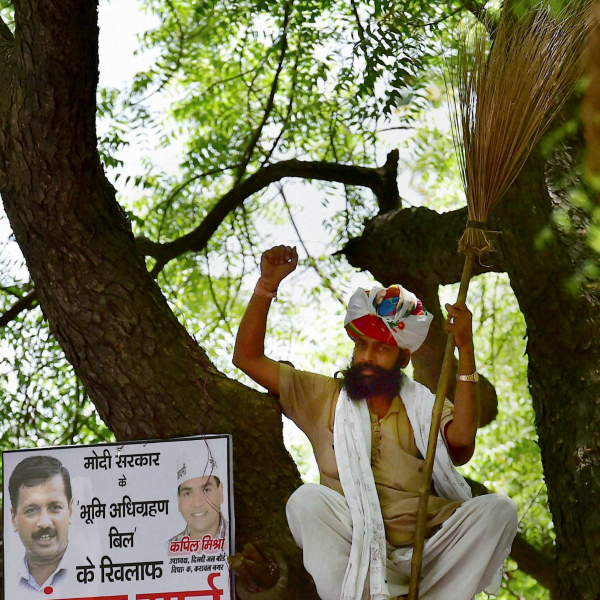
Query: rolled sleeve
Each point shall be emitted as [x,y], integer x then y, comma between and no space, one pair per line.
[304,396]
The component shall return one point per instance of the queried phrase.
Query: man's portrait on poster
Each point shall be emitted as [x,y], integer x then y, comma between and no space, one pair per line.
[41,508]
[200,496]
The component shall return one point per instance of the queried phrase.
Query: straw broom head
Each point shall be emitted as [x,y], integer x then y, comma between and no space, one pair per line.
[506,97]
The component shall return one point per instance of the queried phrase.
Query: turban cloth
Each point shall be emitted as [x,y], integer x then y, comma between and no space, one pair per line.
[391,315]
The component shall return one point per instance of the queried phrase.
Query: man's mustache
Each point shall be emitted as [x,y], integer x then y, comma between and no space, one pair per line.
[36,535]
[375,370]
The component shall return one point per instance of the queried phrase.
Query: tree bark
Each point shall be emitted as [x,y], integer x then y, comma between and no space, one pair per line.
[145,374]
[563,329]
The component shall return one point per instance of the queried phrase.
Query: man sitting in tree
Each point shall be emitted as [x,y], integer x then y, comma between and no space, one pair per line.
[369,433]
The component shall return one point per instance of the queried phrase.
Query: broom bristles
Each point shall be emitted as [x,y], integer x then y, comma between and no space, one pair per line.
[505,99]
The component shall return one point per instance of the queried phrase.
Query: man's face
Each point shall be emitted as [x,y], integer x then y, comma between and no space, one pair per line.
[369,351]
[199,501]
[42,520]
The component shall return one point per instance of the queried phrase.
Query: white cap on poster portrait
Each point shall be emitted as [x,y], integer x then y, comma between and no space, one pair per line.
[199,462]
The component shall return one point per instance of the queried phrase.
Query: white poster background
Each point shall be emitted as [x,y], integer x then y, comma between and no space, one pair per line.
[201,573]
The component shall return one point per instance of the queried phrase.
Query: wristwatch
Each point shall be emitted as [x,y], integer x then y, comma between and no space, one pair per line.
[473,377]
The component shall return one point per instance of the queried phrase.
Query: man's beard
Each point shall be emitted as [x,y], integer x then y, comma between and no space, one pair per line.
[380,382]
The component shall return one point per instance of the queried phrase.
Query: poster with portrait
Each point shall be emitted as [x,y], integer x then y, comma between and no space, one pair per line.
[133,521]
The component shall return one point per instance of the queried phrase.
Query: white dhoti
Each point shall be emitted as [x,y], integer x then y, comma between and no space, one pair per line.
[463,557]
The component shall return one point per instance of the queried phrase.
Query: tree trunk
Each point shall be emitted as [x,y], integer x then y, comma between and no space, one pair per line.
[142,370]
[563,328]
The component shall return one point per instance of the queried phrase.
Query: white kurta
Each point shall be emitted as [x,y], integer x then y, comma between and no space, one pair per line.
[463,558]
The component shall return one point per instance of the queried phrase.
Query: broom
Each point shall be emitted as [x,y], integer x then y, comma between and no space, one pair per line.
[505,100]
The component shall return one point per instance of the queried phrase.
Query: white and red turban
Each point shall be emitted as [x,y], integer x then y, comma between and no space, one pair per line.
[391,315]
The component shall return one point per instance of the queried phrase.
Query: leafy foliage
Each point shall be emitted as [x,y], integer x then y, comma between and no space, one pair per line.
[252,82]
[7,13]
[43,403]
[508,457]
[41,400]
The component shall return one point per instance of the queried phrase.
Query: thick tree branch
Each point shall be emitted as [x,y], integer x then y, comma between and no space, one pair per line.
[422,232]
[538,565]
[18,307]
[382,181]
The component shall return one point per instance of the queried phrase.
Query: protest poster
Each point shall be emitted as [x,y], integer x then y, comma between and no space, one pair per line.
[132,521]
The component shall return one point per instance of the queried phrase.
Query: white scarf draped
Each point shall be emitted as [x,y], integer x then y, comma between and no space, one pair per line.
[352,444]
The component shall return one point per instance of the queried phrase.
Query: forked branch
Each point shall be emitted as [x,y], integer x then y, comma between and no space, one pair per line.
[382,181]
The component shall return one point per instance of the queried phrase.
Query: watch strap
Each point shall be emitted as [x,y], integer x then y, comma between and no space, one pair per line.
[473,377]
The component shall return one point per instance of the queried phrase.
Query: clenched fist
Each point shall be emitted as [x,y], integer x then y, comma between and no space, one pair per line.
[276,264]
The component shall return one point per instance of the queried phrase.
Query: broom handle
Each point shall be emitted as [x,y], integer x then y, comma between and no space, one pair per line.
[436,417]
